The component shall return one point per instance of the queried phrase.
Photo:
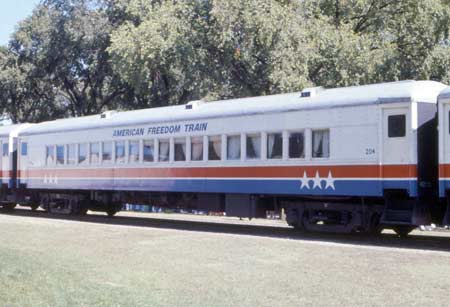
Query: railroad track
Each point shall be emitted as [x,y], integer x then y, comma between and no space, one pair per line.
[433,241]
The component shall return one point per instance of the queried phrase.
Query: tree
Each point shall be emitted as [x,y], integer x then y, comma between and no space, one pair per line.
[24,96]
[66,41]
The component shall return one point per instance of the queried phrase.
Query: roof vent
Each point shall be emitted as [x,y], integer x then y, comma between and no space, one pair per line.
[311,92]
[107,114]
[192,105]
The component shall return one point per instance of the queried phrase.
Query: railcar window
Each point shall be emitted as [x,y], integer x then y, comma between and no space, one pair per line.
[274,146]
[180,149]
[197,149]
[214,148]
[164,147]
[60,154]
[120,151]
[83,154]
[321,143]
[253,146]
[107,152]
[95,153]
[50,155]
[5,149]
[396,126]
[149,150]
[24,149]
[71,153]
[296,145]
[234,147]
[133,151]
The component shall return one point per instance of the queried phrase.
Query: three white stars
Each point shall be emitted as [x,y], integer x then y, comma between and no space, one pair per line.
[317,182]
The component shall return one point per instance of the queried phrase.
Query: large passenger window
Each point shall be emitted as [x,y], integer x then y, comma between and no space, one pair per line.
[71,154]
[396,126]
[197,149]
[107,152]
[133,151]
[164,148]
[234,147]
[180,149]
[95,153]
[120,152]
[60,154]
[296,145]
[5,149]
[24,149]
[149,150]
[214,148]
[83,154]
[274,146]
[253,146]
[49,154]
[321,143]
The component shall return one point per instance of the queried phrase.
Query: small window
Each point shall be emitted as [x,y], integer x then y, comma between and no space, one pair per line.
[396,126]
[253,146]
[107,152]
[24,149]
[321,143]
[234,147]
[133,151]
[275,146]
[5,149]
[83,154]
[296,145]
[120,152]
[214,148]
[197,149]
[50,155]
[180,149]
[95,153]
[149,151]
[164,148]
[60,154]
[71,154]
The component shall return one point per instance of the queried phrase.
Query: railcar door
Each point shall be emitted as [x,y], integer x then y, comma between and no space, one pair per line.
[395,136]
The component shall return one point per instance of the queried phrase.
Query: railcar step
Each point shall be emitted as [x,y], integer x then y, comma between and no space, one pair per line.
[397,216]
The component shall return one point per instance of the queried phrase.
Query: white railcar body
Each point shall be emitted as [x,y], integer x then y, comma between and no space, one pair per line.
[355,141]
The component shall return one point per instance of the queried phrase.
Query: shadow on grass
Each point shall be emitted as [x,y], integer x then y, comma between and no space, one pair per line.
[419,242]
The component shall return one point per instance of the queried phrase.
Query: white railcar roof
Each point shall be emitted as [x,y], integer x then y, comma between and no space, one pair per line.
[392,92]
[12,130]
[445,94]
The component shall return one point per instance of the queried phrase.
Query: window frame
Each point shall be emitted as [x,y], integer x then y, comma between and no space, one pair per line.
[303,132]
[389,117]
[267,145]
[250,134]
[312,143]
[219,138]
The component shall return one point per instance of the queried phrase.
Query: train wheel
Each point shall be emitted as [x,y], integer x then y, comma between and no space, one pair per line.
[404,230]
[111,212]
[9,207]
[375,228]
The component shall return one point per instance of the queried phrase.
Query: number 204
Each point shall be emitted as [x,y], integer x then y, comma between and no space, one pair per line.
[370,151]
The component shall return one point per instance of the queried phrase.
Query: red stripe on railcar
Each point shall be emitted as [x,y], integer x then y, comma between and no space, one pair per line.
[352,171]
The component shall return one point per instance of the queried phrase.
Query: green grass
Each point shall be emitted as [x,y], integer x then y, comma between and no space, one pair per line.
[46,262]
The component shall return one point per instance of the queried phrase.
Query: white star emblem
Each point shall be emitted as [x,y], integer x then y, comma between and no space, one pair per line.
[329,182]
[304,181]
[45,179]
[317,181]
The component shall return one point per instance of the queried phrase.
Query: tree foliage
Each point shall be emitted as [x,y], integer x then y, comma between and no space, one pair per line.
[77,57]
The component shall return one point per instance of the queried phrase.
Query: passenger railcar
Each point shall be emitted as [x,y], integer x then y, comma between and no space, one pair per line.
[344,159]
[444,150]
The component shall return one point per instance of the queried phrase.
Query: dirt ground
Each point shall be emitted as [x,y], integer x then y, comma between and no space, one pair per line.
[175,260]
